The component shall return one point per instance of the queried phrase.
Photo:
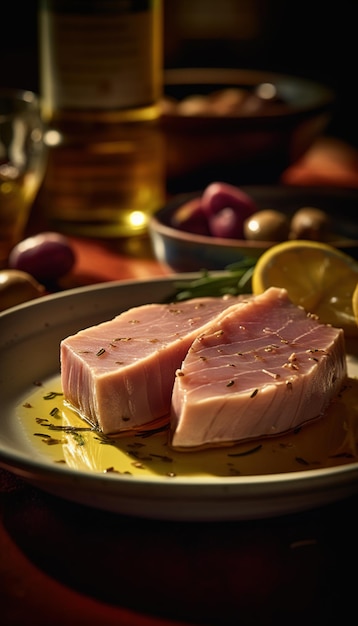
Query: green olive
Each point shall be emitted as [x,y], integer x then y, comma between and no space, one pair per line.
[17,287]
[310,223]
[266,225]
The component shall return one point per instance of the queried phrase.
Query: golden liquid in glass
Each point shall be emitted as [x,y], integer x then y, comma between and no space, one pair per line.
[16,198]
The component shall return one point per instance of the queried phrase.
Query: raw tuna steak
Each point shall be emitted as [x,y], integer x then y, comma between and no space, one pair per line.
[120,374]
[261,369]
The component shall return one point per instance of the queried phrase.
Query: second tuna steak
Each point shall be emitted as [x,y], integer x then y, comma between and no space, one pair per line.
[261,369]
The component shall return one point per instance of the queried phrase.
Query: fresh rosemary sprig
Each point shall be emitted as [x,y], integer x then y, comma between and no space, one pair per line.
[235,279]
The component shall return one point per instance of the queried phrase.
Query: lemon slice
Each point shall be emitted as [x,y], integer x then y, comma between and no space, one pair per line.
[355,303]
[316,275]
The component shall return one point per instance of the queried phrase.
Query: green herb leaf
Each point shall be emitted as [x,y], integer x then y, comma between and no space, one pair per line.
[234,280]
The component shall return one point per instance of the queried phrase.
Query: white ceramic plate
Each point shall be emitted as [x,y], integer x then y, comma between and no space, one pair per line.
[29,351]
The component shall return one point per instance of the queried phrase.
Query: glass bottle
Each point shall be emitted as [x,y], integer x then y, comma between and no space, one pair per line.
[101,82]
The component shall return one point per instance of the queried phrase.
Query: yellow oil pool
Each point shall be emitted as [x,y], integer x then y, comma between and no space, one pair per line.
[59,434]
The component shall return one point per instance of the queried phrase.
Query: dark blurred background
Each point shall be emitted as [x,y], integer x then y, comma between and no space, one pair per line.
[311,39]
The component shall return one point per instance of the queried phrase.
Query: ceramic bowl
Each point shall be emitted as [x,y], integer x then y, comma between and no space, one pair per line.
[250,144]
[183,251]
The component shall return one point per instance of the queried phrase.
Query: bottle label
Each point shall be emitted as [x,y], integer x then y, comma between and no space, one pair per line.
[99,54]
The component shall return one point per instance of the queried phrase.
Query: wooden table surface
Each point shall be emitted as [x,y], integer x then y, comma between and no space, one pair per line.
[62,563]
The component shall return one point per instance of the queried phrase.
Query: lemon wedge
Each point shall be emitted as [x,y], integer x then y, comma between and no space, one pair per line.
[355,303]
[317,276]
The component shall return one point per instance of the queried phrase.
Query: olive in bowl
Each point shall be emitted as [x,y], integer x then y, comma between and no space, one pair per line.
[267,225]
[183,248]
[310,223]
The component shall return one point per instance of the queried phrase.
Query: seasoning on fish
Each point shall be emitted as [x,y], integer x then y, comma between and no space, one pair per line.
[119,375]
[262,368]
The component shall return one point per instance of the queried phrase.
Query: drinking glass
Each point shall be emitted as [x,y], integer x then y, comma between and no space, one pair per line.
[22,164]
